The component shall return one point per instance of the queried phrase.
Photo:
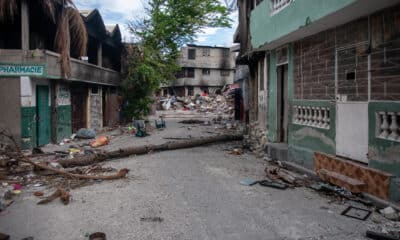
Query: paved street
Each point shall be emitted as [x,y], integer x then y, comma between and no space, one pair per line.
[196,193]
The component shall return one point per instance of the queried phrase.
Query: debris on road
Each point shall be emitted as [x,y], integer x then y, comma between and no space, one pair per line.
[236,152]
[59,193]
[85,133]
[388,230]
[357,213]
[97,236]
[99,141]
[137,150]
[273,184]
[249,182]
[390,214]
[38,193]
[192,121]
[380,236]
[256,139]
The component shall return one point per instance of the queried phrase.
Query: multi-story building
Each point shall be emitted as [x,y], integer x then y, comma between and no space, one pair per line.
[325,84]
[203,68]
[42,101]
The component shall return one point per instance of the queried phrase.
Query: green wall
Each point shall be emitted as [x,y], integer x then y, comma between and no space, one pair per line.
[265,28]
[272,99]
[64,123]
[28,127]
[384,154]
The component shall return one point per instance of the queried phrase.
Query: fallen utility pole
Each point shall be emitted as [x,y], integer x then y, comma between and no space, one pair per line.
[139,150]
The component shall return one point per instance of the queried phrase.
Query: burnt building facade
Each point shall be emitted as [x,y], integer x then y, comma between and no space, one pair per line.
[203,68]
[40,102]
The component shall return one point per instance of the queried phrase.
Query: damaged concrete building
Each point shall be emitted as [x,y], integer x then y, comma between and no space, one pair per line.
[325,86]
[203,68]
[40,100]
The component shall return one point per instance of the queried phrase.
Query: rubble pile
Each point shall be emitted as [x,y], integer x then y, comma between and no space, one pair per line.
[256,139]
[216,104]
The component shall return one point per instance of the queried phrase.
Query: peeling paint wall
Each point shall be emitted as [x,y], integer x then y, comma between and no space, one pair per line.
[95,108]
[63,111]
[383,154]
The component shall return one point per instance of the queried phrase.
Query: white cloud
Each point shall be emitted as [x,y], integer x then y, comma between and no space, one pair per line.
[121,11]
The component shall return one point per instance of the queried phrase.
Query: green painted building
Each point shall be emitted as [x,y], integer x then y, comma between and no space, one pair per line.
[325,79]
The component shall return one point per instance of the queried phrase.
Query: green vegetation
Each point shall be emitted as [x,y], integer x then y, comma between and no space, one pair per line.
[168,25]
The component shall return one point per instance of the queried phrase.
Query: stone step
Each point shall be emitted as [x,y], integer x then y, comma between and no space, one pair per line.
[351,184]
[277,151]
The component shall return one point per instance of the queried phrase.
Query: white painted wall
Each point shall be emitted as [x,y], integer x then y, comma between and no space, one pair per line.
[28,90]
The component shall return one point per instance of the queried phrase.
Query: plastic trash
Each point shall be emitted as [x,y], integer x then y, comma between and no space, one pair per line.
[100,141]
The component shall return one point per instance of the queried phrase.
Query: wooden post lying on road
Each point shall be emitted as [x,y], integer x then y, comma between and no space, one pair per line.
[139,150]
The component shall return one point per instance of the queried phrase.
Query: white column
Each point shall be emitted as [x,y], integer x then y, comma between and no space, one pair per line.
[24,25]
[384,125]
[393,126]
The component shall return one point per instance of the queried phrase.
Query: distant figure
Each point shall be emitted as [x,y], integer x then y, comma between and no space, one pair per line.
[204,93]
[218,91]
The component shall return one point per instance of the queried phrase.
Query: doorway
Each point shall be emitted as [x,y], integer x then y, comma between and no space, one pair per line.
[283,103]
[79,95]
[42,115]
[352,103]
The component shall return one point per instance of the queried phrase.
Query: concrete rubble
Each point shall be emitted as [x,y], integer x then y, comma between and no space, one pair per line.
[256,139]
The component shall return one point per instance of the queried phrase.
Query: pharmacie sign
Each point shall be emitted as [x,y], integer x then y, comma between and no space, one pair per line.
[22,69]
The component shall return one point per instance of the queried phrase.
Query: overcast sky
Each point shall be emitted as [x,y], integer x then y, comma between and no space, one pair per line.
[121,11]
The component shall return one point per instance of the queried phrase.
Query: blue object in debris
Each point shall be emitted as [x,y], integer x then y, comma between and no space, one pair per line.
[248,182]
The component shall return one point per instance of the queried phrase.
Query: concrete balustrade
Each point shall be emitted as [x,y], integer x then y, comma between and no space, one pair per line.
[388,125]
[318,117]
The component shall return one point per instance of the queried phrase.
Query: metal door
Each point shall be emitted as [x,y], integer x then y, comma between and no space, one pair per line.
[43,115]
[352,130]
[352,77]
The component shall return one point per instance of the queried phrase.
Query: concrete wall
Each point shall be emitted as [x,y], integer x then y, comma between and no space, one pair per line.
[95,116]
[28,109]
[216,58]
[214,79]
[10,106]
[297,15]
[63,111]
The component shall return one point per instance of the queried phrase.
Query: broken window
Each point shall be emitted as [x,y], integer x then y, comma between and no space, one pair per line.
[192,54]
[190,91]
[225,53]
[190,72]
[181,74]
[225,73]
[206,71]
[206,52]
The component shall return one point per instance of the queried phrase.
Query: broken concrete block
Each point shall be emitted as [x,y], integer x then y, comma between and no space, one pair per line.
[390,213]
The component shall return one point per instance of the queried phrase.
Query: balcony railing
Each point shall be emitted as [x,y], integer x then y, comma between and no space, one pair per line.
[80,70]
[318,117]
